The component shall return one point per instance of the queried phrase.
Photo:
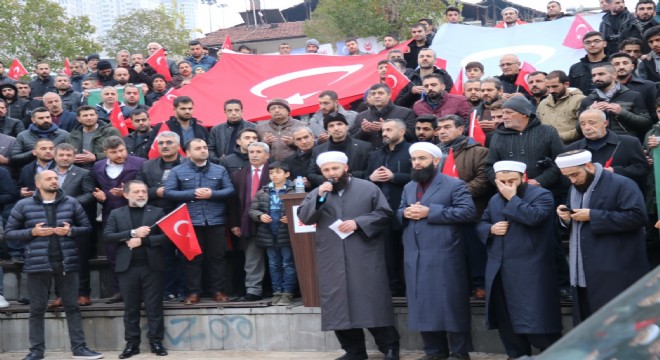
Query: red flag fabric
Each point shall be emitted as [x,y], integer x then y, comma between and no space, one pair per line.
[525,178]
[256,79]
[441,63]
[395,80]
[457,89]
[227,43]
[16,69]
[117,119]
[162,109]
[158,62]
[449,167]
[153,151]
[575,34]
[178,228]
[608,163]
[521,80]
[475,131]
[67,67]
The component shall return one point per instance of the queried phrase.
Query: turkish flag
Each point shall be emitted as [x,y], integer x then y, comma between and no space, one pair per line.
[153,151]
[258,78]
[178,227]
[575,34]
[457,89]
[16,70]
[441,63]
[521,80]
[161,110]
[117,119]
[395,80]
[67,67]
[158,62]
[475,131]
[449,167]
[227,43]
[403,46]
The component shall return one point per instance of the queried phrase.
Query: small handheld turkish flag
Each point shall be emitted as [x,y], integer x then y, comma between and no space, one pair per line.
[457,89]
[575,35]
[153,151]
[521,80]
[475,131]
[178,228]
[158,62]
[441,63]
[67,67]
[16,70]
[449,167]
[395,80]
[117,119]
[227,43]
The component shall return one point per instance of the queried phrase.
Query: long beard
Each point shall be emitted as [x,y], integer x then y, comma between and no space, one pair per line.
[584,187]
[340,183]
[424,174]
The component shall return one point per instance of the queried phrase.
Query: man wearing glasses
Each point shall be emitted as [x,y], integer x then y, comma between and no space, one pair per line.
[580,72]
[510,66]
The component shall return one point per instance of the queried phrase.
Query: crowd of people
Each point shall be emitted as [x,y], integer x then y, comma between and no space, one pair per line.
[406,202]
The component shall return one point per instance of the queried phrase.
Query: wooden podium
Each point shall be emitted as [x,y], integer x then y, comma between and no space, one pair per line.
[304,251]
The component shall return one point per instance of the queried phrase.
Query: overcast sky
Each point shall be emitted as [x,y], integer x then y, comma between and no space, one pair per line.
[222,17]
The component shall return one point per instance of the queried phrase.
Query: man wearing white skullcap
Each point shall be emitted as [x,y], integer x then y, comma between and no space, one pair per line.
[606,215]
[351,259]
[522,296]
[434,209]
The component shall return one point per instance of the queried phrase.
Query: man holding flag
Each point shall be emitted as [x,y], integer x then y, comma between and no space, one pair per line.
[434,207]
[511,67]
[139,266]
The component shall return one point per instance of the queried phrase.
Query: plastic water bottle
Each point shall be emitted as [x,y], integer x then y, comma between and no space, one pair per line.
[299,185]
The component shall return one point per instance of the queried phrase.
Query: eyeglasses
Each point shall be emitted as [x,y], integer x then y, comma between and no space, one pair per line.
[507,64]
[593,42]
[166,142]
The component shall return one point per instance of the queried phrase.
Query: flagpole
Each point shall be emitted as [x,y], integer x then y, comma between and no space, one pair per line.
[168,215]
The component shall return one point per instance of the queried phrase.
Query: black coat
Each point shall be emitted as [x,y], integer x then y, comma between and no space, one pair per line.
[407,98]
[580,74]
[234,162]
[117,231]
[357,152]
[26,179]
[390,111]
[79,184]
[141,148]
[199,130]
[397,161]
[220,135]
[11,126]
[261,205]
[152,175]
[649,93]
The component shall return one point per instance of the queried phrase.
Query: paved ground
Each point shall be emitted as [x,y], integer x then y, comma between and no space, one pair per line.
[240,355]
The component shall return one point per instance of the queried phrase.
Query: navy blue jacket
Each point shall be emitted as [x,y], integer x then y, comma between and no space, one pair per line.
[184,179]
[29,212]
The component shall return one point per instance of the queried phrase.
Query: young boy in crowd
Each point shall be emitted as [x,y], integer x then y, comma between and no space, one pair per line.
[273,232]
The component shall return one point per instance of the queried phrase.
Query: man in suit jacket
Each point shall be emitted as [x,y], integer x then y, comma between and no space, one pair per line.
[139,266]
[356,150]
[78,183]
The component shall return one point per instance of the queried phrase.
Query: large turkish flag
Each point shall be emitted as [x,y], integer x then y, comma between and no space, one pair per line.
[255,79]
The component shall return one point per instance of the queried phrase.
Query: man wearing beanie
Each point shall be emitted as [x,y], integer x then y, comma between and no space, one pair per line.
[159,86]
[278,131]
[105,74]
[312,46]
[92,61]
[357,150]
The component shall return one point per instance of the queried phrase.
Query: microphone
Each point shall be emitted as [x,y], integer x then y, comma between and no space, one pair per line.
[325,194]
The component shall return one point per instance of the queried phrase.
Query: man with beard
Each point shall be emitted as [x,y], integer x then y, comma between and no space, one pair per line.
[121,76]
[625,109]
[328,103]
[350,259]
[606,217]
[139,266]
[368,124]
[198,57]
[389,168]
[580,72]
[65,119]
[414,90]
[470,159]
[434,208]
[159,87]
[619,154]
[438,101]
[89,136]
[138,143]
[561,109]
[140,72]
[238,158]
[78,74]
[299,162]
[105,73]
[132,101]
[425,128]
[70,99]
[509,18]
[17,108]
[632,47]
[510,66]
[644,19]
[472,91]
[554,11]
[614,23]
[536,83]
[48,222]
[624,65]
[43,83]
[222,138]
[419,42]
[42,127]
[183,123]
[390,41]
[522,297]
[8,125]
[43,153]
[491,91]
[356,150]
[277,132]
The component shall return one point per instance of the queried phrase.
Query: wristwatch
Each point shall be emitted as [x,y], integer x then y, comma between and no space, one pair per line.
[133,233]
